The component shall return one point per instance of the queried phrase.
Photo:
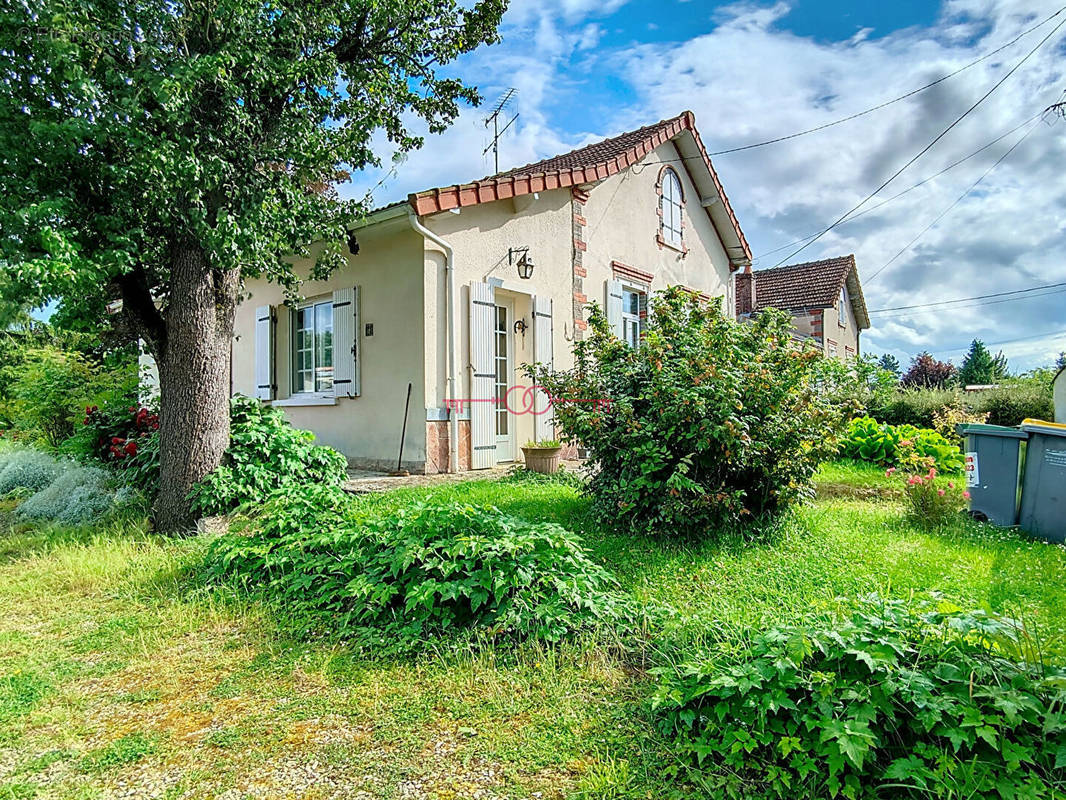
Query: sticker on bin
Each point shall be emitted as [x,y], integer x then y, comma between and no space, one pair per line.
[973,473]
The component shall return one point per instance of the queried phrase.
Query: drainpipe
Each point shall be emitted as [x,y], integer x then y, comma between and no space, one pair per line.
[449,326]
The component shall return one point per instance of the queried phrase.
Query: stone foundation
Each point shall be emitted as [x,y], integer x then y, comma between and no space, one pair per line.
[438,434]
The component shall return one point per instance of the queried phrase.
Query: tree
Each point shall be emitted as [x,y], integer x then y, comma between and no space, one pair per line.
[981,367]
[164,152]
[1060,362]
[890,363]
[928,373]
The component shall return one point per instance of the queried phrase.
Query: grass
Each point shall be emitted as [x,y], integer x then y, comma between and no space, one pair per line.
[116,672]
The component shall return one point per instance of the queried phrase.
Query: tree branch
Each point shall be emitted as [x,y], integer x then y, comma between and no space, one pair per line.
[139,307]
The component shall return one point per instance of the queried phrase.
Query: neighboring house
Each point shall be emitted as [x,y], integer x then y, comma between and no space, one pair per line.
[457,288]
[824,298]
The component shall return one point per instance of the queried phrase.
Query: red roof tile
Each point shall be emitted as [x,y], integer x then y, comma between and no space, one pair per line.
[588,164]
[810,286]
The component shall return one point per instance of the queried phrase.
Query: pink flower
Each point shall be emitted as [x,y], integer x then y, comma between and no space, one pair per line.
[914,479]
[966,495]
[951,485]
[940,492]
[906,443]
[889,472]
[932,473]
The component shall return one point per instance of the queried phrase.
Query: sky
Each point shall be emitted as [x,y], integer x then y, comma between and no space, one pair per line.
[588,69]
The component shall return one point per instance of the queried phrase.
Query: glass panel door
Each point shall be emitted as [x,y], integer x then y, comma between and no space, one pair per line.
[503,360]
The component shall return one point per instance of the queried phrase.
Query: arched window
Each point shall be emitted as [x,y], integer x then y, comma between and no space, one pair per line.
[670,203]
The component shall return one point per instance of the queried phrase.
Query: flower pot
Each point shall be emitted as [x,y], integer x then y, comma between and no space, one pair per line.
[545,460]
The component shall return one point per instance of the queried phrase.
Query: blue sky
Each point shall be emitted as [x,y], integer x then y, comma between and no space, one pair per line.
[586,69]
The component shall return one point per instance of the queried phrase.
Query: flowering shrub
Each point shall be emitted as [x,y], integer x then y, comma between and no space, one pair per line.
[124,437]
[931,502]
[708,421]
[892,445]
[946,419]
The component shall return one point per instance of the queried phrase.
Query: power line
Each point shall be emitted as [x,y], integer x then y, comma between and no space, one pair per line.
[947,210]
[913,312]
[878,107]
[920,183]
[929,146]
[967,299]
[1005,341]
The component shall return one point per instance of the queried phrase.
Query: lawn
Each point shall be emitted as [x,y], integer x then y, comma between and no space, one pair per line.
[120,677]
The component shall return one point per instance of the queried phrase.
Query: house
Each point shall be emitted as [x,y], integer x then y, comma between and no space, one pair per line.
[452,291]
[824,298]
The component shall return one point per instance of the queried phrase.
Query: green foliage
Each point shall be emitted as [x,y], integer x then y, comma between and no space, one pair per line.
[124,750]
[266,454]
[891,701]
[1016,401]
[891,445]
[889,363]
[230,124]
[980,367]
[708,421]
[419,570]
[49,388]
[931,502]
[79,496]
[519,473]
[27,469]
[123,437]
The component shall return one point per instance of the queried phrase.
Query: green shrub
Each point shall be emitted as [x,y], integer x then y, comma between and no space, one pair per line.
[48,391]
[708,421]
[78,496]
[912,406]
[890,702]
[1011,404]
[27,469]
[265,454]
[892,445]
[425,569]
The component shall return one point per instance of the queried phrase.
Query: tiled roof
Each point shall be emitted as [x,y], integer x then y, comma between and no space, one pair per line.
[811,285]
[588,164]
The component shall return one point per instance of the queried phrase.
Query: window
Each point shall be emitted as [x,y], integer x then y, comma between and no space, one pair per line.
[634,312]
[312,348]
[670,205]
[843,306]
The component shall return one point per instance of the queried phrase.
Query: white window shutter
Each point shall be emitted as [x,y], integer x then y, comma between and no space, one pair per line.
[346,342]
[543,332]
[614,307]
[265,385]
[483,377]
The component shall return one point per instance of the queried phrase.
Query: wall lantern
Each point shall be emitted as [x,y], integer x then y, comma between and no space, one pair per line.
[520,257]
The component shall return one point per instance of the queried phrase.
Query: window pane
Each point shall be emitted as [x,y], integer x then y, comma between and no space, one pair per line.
[323,352]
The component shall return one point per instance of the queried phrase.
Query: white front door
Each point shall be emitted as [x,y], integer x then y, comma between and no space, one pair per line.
[504,363]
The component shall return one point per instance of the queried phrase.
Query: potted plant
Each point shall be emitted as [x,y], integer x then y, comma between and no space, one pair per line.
[542,456]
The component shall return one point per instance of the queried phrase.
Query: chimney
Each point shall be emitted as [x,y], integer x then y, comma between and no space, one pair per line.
[745,292]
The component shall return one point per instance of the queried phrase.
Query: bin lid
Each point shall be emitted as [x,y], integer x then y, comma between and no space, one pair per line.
[993,430]
[1042,426]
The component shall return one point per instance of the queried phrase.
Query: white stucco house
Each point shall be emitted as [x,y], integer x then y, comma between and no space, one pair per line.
[456,288]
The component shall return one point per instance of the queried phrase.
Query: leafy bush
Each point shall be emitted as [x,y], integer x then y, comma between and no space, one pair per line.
[915,407]
[265,454]
[48,390]
[892,701]
[1010,404]
[27,469]
[708,421]
[124,437]
[892,445]
[947,420]
[77,497]
[421,570]
[562,476]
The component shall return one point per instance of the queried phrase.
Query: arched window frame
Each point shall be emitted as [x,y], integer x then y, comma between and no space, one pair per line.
[671,208]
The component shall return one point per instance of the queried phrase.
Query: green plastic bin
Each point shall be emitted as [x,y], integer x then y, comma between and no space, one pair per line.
[993,455]
[1044,485]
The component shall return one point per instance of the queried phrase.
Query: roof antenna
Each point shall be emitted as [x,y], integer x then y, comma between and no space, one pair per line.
[494,117]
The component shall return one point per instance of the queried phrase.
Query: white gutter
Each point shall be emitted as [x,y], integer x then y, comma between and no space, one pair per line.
[449,326]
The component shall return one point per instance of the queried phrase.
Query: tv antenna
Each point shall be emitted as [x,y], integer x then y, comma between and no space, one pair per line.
[502,105]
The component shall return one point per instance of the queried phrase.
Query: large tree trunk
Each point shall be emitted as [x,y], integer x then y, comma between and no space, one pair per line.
[193,381]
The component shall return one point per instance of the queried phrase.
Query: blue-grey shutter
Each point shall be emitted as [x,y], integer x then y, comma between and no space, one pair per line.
[265,384]
[346,342]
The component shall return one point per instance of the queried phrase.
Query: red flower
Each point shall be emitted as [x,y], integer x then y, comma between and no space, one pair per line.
[131,448]
[116,440]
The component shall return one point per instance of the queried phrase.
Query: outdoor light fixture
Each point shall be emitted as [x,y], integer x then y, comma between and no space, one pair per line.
[353,244]
[521,327]
[520,257]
